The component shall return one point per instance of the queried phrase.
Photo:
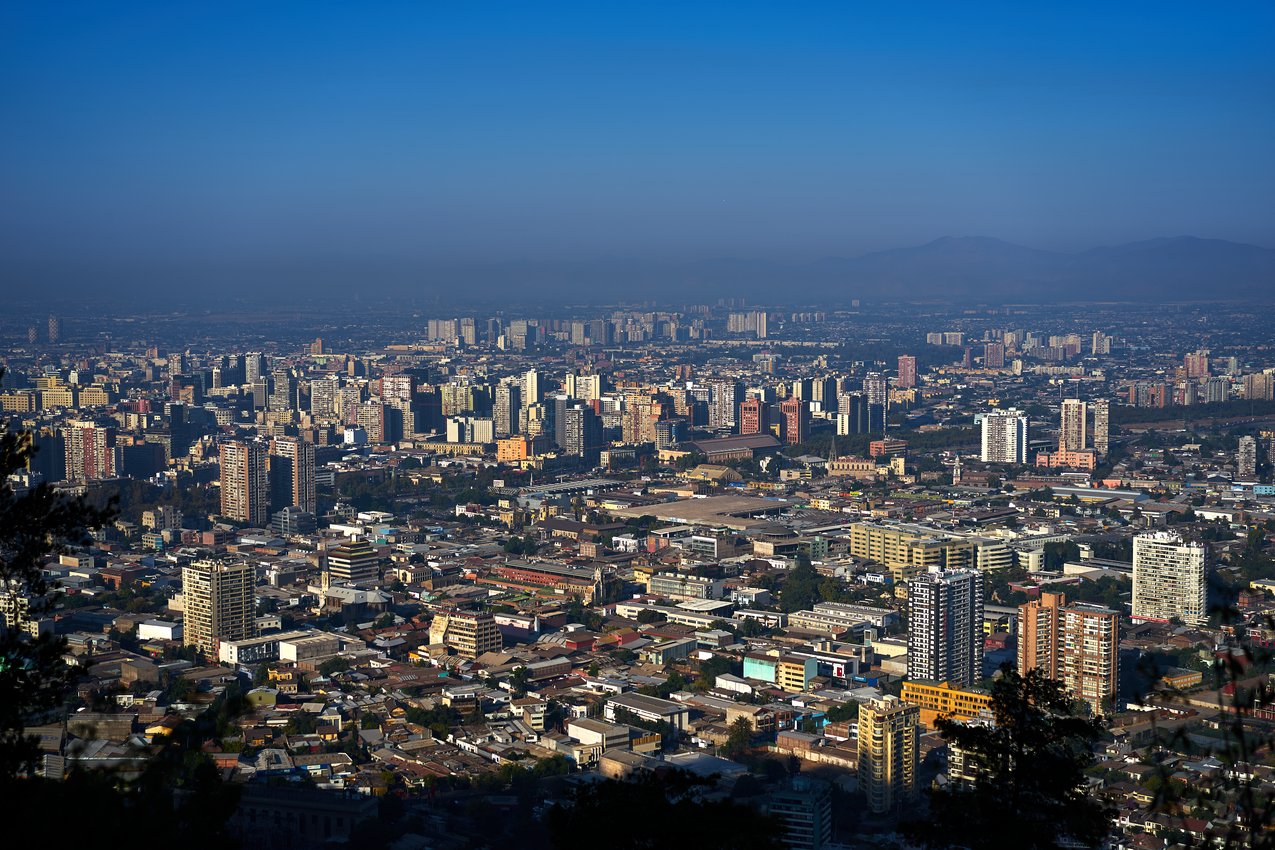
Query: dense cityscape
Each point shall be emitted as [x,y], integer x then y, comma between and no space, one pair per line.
[457,568]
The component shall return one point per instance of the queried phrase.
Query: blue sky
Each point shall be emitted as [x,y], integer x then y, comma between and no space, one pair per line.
[170,136]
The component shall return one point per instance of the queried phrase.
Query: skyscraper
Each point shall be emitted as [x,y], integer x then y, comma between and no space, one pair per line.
[245,483]
[1038,634]
[907,371]
[292,474]
[55,329]
[994,355]
[754,417]
[283,395]
[583,432]
[1101,417]
[1169,579]
[945,626]
[1090,648]
[1005,436]
[90,451]
[323,397]
[1072,436]
[1246,458]
[218,599]
[505,410]
[532,392]
[888,747]
[796,418]
[724,403]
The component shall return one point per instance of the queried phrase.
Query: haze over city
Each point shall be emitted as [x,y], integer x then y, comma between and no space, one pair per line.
[252,147]
[610,426]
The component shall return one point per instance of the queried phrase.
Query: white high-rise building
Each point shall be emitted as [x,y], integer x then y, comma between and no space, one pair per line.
[1246,458]
[1072,436]
[945,626]
[1101,419]
[1169,579]
[1005,436]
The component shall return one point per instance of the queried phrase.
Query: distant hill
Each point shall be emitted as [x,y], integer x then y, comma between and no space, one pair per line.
[969,268]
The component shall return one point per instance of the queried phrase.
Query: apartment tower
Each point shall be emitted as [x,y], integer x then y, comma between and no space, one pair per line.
[945,626]
[1169,579]
[218,598]
[888,737]
[245,483]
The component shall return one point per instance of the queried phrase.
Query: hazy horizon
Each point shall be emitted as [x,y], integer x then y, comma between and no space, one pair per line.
[151,145]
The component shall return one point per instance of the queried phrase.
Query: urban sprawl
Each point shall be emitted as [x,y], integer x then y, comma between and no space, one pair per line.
[473,562]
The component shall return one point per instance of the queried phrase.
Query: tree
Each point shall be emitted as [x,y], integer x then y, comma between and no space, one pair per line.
[518,679]
[740,740]
[1030,790]
[34,677]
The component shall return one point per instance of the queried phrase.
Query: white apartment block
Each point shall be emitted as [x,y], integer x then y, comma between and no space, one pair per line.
[1169,579]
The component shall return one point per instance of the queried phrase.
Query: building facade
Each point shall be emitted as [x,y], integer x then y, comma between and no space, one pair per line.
[1169,579]
[945,626]
[1005,436]
[219,602]
[888,747]
[245,483]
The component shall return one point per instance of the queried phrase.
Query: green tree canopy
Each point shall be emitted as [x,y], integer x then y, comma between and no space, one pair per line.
[1030,789]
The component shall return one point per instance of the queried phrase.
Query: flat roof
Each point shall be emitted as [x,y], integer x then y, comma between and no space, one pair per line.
[728,511]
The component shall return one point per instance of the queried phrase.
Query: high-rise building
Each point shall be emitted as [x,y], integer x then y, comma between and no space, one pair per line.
[470,633]
[219,604]
[1005,436]
[1101,419]
[532,391]
[1197,364]
[90,451]
[1039,631]
[945,626]
[907,371]
[292,474]
[725,400]
[888,748]
[1259,387]
[804,806]
[55,328]
[876,388]
[994,355]
[1090,650]
[505,410]
[245,483]
[1072,436]
[1215,390]
[352,563]
[796,420]
[1169,579]
[582,432]
[254,366]
[324,398]
[754,417]
[1246,458]
[283,396]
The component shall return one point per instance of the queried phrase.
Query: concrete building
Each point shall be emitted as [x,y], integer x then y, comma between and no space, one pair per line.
[804,806]
[1072,437]
[1090,649]
[888,752]
[1169,579]
[1246,458]
[1039,630]
[907,372]
[219,602]
[245,483]
[1005,436]
[1101,425]
[945,626]
[469,633]
[292,468]
[352,563]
